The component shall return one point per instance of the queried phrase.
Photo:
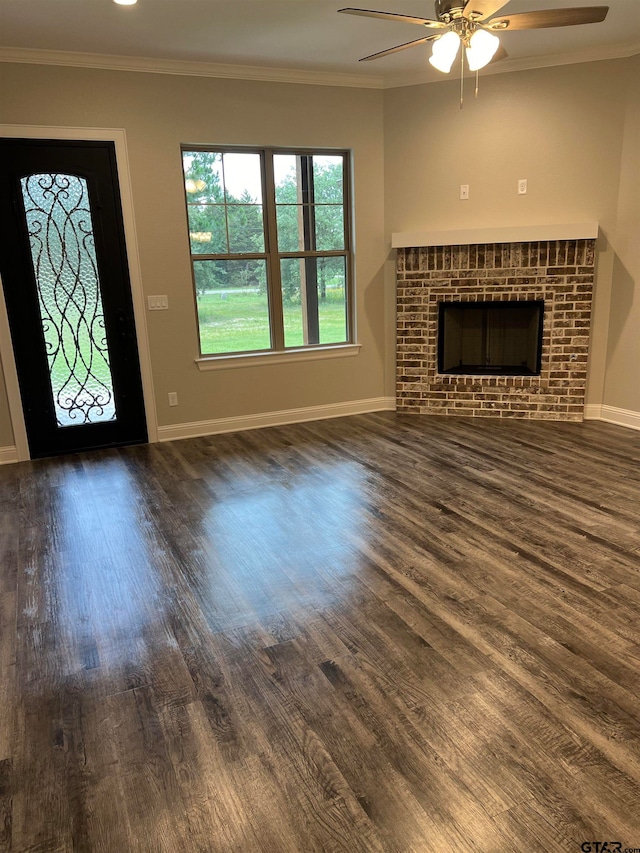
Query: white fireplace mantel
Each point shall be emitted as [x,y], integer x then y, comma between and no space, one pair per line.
[508,234]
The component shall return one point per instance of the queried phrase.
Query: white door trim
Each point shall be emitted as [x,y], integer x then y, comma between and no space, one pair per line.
[118,137]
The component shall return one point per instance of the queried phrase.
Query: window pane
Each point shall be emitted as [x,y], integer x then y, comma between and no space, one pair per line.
[321,227]
[314,301]
[242,178]
[292,273]
[290,231]
[328,179]
[295,222]
[233,310]
[207,229]
[329,227]
[246,229]
[203,176]
[332,303]
[286,178]
[224,191]
[69,297]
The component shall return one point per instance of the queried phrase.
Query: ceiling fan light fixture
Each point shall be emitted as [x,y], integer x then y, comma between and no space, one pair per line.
[125,2]
[481,50]
[444,51]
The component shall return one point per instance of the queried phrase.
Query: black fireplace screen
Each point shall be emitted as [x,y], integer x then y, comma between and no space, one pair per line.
[490,338]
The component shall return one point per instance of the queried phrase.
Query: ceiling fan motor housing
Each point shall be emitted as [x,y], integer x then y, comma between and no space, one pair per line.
[448,9]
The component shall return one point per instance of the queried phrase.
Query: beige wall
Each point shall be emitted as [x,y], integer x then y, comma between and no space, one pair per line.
[6,433]
[562,129]
[572,131]
[621,386]
[159,112]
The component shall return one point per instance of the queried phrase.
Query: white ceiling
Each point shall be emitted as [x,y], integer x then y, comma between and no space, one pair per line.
[300,35]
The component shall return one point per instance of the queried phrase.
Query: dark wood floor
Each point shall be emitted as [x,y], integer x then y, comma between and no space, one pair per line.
[379,633]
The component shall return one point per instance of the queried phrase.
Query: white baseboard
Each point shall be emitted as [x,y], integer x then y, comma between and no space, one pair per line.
[613,415]
[267,419]
[8,454]
[592,412]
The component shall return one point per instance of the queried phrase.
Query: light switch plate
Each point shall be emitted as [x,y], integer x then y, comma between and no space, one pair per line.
[158,303]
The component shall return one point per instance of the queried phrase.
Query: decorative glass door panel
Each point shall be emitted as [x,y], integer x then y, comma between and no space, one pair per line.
[66,286]
[67,281]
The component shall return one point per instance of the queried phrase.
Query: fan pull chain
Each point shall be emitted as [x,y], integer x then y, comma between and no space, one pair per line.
[461,78]
[477,75]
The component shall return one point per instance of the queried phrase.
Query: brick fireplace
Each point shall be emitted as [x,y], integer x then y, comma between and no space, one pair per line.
[560,272]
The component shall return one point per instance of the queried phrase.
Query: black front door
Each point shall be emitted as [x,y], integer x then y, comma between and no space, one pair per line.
[68,295]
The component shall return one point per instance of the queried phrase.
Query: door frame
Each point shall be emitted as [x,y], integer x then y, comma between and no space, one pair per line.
[98,134]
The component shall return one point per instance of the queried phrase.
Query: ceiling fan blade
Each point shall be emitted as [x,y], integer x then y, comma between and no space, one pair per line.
[500,53]
[550,18]
[391,16]
[478,10]
[397,48]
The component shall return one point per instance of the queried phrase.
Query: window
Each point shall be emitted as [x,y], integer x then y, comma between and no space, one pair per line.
[270,248]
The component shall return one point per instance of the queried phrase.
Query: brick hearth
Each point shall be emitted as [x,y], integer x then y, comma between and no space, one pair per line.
[560,272]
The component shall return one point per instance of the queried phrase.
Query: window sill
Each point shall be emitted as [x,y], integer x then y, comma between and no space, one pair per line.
[226,362]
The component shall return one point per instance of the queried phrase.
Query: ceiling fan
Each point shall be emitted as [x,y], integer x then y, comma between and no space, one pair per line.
[472,24]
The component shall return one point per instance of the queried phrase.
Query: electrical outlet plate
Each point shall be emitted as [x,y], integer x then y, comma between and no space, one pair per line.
[464,191]
[173,398]
[522,186]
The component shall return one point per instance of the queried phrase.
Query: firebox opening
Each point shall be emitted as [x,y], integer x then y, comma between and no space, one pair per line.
[490,338]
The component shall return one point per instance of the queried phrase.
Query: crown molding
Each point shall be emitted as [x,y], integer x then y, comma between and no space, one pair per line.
[111,62]
[187,68]
[526,64]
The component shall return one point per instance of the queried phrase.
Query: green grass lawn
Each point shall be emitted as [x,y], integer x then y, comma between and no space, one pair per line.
[238,321]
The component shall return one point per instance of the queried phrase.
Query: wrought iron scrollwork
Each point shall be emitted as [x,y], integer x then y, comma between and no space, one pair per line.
[66,273]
